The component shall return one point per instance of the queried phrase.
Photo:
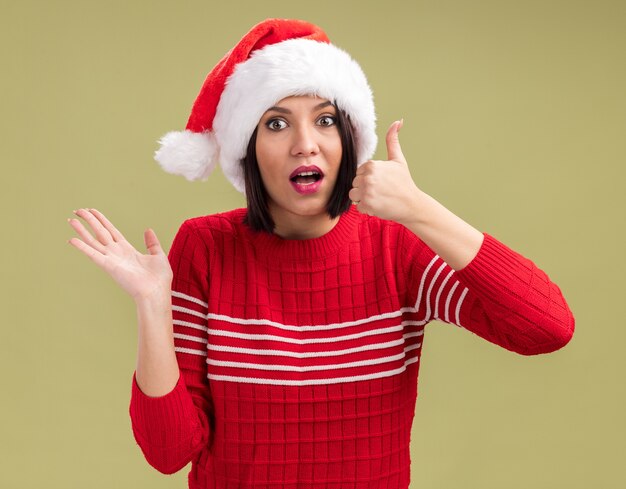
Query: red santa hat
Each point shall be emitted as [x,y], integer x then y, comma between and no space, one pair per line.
[278,58]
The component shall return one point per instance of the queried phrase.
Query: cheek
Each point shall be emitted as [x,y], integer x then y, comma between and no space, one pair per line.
[336,153]
[263,157]
[270,174]
[261,150]
[266,173]
[269,154]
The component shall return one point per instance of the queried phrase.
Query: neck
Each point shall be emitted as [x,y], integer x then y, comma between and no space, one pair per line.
[292,226]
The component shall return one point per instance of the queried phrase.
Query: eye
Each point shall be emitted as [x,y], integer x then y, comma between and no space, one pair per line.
[276,124]
[327,120]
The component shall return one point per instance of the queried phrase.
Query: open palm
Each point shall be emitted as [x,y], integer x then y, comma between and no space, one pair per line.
[138,274]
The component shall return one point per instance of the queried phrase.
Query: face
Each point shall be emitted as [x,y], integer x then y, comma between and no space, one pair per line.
[298,150]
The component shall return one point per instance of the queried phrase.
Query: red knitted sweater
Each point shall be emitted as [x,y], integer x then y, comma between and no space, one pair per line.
[299,358]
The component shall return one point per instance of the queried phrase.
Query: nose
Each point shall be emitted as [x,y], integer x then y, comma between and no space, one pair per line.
[304,141]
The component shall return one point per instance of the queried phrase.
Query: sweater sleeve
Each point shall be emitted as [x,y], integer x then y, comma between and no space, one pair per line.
[172,429]
[500,296]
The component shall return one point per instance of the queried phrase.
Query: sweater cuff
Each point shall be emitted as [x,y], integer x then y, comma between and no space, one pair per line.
[167,420]
[497,268]
[515,290]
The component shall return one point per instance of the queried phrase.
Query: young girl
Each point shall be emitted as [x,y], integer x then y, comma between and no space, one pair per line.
[279,344]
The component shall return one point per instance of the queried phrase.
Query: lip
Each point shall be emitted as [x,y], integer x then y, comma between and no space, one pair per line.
[308,188]
[304,168]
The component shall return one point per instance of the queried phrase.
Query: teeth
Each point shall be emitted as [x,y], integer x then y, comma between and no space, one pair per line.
[307,174]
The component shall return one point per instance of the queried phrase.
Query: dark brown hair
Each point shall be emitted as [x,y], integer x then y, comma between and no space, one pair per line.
[258,216]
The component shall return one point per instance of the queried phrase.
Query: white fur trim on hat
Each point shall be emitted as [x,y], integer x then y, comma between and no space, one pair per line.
[292,67]
[190,154]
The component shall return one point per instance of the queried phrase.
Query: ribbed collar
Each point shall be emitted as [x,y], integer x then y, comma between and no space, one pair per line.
[304,249]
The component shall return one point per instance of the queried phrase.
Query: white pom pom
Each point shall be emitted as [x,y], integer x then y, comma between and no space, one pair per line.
[190,154]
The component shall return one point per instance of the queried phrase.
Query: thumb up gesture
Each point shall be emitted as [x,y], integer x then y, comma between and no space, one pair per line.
[385,189]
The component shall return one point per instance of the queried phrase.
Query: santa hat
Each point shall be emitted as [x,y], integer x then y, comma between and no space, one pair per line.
[278,58]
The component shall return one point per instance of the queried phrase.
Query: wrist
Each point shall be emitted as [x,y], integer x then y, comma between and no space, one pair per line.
[154,297]
[417,209]
[154,316]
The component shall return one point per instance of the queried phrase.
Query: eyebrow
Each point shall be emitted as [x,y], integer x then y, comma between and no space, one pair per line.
[282,110]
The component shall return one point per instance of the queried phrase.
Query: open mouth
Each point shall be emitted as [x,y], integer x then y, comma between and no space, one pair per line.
[306,177]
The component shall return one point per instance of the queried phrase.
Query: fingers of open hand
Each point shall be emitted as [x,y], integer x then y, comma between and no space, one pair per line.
[152,242]
[87,238]
[96,248]
[117,236]
[93,218]
[93,254]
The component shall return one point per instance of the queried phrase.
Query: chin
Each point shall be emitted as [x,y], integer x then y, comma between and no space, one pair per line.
[312,208]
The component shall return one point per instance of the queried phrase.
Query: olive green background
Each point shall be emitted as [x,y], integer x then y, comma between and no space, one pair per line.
[515,119]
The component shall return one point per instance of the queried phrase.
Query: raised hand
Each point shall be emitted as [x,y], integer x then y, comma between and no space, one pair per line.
[385,188]
[141,276]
